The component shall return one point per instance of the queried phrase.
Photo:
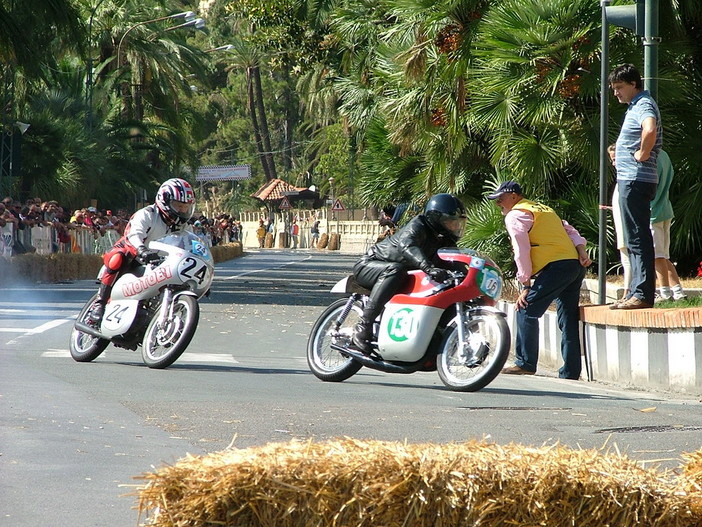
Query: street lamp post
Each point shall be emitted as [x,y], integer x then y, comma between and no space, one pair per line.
[189,17]
[190,21]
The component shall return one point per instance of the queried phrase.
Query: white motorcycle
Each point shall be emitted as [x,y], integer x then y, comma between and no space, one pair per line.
[155,305]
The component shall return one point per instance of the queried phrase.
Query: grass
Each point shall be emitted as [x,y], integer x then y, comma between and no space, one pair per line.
[690,301]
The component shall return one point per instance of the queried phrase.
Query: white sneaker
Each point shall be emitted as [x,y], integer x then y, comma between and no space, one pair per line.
[660,298]
[679,296]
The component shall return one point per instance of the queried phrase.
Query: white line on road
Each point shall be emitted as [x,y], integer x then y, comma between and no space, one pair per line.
[39,329]
[185,357]
[262,270]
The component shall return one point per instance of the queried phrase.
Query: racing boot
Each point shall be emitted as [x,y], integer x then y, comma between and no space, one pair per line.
[362,334]
[99,307]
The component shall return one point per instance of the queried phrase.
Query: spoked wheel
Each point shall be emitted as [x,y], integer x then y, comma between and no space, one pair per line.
[326,363]
[84,347]
[163,345]
[473,366]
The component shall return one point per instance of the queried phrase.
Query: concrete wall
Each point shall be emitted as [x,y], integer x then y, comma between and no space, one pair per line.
[652,348]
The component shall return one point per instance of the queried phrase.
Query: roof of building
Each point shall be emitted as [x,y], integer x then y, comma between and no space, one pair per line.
[276,189]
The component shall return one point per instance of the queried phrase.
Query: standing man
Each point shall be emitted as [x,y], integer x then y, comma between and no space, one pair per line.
[553,252]
[638,145]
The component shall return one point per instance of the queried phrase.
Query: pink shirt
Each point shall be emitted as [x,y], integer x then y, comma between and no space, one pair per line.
[519,223]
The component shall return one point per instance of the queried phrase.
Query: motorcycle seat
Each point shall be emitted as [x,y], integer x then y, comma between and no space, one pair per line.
[352,286]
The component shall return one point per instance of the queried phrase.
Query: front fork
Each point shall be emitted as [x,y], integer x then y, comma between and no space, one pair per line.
[166,310]
[461,326]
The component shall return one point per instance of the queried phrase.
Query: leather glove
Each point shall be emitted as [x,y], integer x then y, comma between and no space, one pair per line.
[437,274]
[145,256]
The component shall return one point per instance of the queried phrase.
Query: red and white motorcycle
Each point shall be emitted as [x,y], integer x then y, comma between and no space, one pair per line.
[154,305]
[452,327]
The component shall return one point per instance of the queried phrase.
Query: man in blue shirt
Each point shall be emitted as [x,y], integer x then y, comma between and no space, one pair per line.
[638,144]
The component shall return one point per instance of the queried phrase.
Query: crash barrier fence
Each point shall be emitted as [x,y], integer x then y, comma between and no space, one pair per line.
[46,239]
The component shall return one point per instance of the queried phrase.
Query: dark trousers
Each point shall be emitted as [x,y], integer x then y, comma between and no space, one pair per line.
[559,281]
[635,204]
[384,279]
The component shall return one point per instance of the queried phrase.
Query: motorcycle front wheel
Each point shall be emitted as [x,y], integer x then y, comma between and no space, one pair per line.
[473,366]
[84,347]
[162,345]
[326,363]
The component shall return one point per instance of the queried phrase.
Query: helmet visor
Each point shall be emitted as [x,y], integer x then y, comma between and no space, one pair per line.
[455,225]
[182,209]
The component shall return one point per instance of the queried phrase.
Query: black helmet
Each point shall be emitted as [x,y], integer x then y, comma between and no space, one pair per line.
[447,215]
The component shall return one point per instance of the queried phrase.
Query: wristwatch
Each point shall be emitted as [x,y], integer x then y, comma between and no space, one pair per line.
[526,287]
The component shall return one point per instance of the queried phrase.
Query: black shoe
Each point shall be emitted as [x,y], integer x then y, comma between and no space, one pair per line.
[361,338]
[97,312]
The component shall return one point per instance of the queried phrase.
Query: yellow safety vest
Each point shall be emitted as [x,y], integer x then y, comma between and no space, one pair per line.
[548,238]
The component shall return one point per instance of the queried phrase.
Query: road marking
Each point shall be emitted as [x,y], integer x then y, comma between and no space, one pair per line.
[207,357]
[185,357]
[262,270]
[39,329]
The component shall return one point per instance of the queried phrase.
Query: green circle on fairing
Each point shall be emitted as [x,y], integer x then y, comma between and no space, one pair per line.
[402,325]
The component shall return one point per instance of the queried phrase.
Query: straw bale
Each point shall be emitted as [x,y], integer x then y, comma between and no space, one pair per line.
[355,483]
[691,480]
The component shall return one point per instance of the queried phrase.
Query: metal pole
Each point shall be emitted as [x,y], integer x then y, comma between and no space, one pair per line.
[604,162]
[651,40]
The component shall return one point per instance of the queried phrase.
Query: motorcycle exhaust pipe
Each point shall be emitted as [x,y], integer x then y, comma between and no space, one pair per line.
[377,364]
[84,328]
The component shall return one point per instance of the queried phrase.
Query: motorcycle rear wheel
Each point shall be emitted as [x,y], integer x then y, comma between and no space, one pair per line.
[162,346]
[84,347]
[487,348]
[326,363]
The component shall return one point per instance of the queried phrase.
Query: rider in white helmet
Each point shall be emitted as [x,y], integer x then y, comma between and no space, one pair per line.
[173,207]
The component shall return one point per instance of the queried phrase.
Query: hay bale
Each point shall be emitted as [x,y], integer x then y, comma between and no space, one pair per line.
[323,241]
[268,243]
[691,480]
[334,241]
[353,483]
[227,251]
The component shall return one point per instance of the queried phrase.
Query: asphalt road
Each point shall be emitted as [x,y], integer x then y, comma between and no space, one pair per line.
[74,436]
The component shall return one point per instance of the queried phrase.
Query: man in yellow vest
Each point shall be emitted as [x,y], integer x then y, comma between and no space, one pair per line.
[552,253]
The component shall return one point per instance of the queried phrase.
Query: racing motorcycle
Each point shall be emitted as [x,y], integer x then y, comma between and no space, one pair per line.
[451,327]
[153,305]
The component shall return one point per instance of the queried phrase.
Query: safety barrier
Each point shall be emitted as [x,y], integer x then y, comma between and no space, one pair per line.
[654,348]
[45,240]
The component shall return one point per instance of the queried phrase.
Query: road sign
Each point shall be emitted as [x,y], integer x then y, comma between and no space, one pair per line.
[338,206]
[223,173]
[284,203]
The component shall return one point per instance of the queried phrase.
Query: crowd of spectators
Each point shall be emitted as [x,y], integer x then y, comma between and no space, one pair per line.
[17,218]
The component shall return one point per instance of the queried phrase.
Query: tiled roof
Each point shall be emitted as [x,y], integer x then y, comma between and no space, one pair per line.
[275,189]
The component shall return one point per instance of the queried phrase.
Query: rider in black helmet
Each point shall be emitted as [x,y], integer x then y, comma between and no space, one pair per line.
[414,246]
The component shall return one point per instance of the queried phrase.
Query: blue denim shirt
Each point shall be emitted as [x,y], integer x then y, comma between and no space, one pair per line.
[629,141]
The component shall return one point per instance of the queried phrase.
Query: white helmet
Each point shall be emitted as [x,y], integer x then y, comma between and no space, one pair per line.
[175,201]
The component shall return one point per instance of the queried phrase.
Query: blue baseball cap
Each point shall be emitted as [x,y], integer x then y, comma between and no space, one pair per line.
[506,188]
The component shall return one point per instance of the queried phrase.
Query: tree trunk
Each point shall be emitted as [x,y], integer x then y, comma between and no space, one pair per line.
[265,135]
[289,123]
[254,122]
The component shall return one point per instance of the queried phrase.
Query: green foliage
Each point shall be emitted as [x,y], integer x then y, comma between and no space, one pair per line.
[398,99]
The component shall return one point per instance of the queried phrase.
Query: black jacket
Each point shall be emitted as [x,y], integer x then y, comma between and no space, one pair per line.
[414,245]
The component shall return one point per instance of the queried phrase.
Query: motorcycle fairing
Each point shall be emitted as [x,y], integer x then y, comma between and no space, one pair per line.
[406,330]
[118,318]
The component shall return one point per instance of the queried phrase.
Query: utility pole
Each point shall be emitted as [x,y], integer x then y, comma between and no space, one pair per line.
[642,18]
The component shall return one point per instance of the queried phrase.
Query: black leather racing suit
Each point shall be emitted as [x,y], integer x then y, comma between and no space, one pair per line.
[384,268]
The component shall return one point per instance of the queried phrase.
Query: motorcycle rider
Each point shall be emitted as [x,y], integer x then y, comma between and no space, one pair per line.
[173,207]
[384,268]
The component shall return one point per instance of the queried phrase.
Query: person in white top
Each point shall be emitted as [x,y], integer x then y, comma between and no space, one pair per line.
[173,207]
